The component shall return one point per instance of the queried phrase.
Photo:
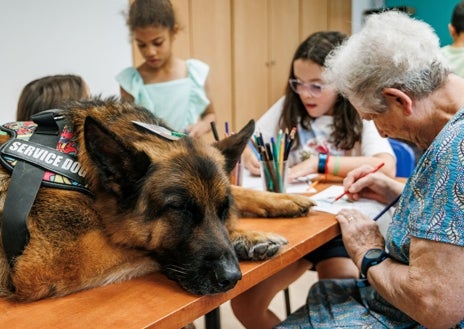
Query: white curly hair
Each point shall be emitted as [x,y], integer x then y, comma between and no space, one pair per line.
[391,50]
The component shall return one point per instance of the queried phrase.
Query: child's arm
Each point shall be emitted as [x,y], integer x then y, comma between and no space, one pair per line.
[341,165]
[203,125]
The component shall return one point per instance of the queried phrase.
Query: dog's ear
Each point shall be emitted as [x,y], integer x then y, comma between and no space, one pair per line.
[118,166]
[233,146]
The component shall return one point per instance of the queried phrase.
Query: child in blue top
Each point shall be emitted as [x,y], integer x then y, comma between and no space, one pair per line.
[171,88]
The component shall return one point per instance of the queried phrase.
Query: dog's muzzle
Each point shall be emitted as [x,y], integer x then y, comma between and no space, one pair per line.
[227,276]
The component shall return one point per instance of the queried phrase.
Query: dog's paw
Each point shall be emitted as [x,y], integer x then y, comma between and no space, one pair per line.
[253,245]
[287,205]
[254,203]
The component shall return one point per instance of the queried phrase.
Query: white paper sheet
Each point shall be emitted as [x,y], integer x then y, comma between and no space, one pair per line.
[371,208]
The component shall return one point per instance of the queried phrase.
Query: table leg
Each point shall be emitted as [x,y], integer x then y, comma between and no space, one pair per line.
[213,319]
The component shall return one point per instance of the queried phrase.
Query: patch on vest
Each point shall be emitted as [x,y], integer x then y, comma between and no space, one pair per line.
[62,170]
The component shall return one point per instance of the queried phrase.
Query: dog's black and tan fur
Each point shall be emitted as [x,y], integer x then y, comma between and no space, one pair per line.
[155,205]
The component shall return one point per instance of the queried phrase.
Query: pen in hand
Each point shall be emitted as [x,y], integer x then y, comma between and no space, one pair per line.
[370,172]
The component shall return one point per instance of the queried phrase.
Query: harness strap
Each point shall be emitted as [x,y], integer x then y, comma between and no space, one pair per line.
[47,158]
[24,185]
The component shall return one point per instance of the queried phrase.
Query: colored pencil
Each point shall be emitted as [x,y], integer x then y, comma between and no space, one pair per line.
[252,145]
[215,133]
[273,155]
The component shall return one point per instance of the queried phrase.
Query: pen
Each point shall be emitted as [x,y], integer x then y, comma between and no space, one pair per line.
[178,134]
[370,172]
[391,204]
[315,183]
[215,133]
[252,146]
[311,187]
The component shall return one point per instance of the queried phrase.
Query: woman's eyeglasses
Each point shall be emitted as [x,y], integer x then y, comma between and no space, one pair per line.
[312,88]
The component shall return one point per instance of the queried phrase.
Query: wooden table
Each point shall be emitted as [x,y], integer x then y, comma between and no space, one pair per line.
[153,301]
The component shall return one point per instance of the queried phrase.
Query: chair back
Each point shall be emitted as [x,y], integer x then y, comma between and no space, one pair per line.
[405,158]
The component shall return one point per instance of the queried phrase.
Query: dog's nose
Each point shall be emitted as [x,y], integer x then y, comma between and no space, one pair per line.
[227,272]
[227,277]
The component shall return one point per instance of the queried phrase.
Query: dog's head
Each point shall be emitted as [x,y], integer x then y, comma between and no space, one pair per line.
[171,199]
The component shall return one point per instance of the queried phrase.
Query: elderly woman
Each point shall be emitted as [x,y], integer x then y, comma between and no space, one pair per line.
[393,73]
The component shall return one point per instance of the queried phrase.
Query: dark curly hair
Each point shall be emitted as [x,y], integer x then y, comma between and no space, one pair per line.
[151,13]
[457,18]
[347,123]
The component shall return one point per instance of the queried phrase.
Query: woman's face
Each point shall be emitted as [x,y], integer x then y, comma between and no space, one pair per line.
[317,103]
[155,45]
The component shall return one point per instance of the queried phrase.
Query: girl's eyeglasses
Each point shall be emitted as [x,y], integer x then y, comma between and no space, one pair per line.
[314,89]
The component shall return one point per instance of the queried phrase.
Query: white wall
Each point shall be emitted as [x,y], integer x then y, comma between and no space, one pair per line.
[45,37]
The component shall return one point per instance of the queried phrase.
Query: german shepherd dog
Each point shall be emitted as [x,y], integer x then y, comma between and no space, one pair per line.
[155,205]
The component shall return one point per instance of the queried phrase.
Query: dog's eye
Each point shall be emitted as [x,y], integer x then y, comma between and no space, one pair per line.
[179,204]
[188,211]
[223,210]
[195,212]
[225,214]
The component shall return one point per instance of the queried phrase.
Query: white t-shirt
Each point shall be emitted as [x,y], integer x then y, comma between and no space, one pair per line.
[455,56]
[371,141]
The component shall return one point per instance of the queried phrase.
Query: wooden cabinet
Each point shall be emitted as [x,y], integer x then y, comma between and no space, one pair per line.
[265,34]
[249,45]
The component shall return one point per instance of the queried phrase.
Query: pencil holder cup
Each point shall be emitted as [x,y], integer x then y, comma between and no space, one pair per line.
[236,175]
[274,176]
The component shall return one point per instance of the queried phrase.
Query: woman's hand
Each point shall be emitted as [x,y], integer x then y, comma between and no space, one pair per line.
[360,233]
[360,183]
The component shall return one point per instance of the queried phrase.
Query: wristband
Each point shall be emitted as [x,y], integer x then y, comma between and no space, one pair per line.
[336,165]
[321,167]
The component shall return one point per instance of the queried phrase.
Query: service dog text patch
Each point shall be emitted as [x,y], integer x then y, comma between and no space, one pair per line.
[62,170]
[44,157]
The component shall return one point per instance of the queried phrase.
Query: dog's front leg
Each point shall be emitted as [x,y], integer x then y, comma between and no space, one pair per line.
[267,204]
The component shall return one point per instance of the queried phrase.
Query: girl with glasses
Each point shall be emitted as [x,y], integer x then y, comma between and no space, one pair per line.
[326,122]
[331,138]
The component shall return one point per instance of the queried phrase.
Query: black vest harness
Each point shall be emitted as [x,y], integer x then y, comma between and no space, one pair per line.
[36,154]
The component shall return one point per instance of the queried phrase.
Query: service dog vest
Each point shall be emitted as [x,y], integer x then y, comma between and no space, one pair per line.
[38,153]
[62,170]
